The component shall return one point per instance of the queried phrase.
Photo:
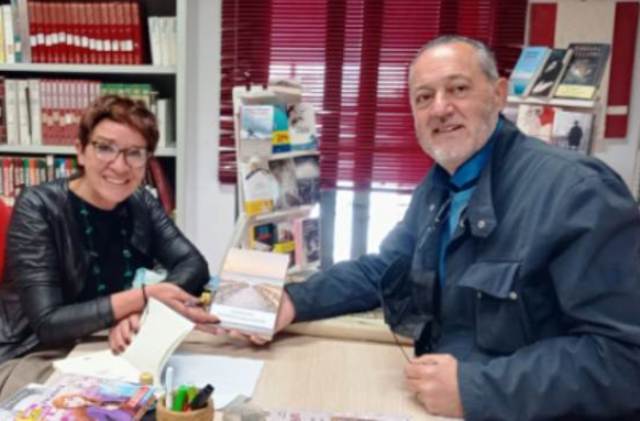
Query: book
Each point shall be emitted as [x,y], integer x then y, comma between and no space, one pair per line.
[296,415]
[302,127]
[161,331]
[583,74]
[281,141]
[536,120]
[307,173]
[527,68]
[250,290]
[572,130]
[284,172]
[259,186]
[256,131]
[161,182]
[510,112]
[306,232]
[79,398]
[549,77]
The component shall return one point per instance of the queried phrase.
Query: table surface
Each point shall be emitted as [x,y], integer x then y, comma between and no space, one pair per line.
[318,374]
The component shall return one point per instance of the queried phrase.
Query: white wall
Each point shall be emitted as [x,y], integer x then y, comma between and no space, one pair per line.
[209,213]
[210,206]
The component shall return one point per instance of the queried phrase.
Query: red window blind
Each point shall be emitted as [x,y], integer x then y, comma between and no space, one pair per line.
[351,57]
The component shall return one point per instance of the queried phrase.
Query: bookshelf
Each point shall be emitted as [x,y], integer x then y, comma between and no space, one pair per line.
[168,80]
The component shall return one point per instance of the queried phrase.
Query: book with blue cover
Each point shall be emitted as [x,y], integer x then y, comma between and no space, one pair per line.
[526,70]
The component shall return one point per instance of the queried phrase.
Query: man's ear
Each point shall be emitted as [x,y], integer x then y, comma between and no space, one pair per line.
[500,90]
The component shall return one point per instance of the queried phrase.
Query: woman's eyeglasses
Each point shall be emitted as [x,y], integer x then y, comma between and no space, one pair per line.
[108,152]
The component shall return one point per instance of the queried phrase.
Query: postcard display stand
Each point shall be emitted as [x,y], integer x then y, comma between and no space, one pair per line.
[555,95]
[276,145]
[278,174]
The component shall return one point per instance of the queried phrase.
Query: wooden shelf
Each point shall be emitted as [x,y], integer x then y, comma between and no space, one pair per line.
[558,102]
[144,69]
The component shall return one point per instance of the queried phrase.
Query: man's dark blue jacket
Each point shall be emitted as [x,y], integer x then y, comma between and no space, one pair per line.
[541,304]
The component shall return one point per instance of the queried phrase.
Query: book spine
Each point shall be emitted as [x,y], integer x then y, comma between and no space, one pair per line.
[165,192]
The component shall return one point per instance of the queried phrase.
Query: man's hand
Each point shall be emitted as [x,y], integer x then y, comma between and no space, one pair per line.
[122,333]
[434,379]
[181,301]
[286,314]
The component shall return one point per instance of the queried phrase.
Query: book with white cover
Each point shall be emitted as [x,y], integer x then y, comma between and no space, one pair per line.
[536,120]
[161,331]
[572,130]
[250,290]
[256,131]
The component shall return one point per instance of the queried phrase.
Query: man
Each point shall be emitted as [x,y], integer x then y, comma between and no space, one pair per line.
[515,268]
[574,136]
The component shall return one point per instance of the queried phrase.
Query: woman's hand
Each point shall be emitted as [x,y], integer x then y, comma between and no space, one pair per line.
[121,335]
[181,301]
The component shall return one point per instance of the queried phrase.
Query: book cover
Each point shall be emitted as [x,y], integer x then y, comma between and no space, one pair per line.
[536,120]
[296,415]
[256,131]
[281,141]
[527,67]
[78,398]
[250,290]
[284,171]
[307,169]
[285,243]
[572,130]
[510,112]
[302,127]
[583,75]
[551,73]
[262,236]
[161,181]
[259,186]
[307,239]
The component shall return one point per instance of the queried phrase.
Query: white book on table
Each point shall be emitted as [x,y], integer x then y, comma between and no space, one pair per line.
[161,331]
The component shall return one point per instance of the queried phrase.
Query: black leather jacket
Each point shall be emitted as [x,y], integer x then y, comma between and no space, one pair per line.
[47,267]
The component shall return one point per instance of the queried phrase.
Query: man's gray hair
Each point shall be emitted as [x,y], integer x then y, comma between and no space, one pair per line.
[486,58]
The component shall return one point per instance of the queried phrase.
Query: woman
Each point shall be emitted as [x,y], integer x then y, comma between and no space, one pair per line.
[74,245]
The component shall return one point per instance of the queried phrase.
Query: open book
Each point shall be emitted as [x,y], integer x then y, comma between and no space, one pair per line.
[161,331]
[250,290]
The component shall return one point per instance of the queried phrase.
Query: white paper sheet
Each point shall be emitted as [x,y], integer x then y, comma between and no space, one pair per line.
[230,376]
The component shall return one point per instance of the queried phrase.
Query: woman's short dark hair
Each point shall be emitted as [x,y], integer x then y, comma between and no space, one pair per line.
[123,110]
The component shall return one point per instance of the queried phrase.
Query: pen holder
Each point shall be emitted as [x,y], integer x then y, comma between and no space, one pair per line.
[203,414]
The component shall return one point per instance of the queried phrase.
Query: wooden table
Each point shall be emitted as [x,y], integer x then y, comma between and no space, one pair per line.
[319,374]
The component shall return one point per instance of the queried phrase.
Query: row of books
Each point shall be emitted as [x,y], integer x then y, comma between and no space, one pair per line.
[107,32]
[48,111]
[19,172]
[567,129]
[299,238]
[271,129]
[574,72]
[277,184]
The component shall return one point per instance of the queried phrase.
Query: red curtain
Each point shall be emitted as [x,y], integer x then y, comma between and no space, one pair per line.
[352,56]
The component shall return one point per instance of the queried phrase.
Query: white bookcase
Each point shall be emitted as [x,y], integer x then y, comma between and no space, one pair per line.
[169,81]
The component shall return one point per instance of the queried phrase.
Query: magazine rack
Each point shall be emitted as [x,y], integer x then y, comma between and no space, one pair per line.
[278,173]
